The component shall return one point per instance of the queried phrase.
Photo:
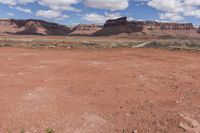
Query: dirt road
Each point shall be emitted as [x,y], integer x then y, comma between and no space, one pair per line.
[99,91]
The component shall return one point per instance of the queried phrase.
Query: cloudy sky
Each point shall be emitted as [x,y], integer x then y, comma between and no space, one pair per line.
[73,12]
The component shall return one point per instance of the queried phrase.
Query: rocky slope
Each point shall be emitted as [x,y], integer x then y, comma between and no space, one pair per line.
[32,27]
[85,29]
[121,26]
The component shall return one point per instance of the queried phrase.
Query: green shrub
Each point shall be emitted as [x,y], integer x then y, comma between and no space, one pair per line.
[49,130]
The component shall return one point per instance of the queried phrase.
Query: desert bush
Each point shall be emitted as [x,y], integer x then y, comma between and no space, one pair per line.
[49,130]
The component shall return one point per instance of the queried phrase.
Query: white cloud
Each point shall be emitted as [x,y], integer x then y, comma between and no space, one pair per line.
[192,2]
[60,4]
[107,4]
[48,13]
[23,9]
[52,4]
[176,10]
[100,19]
[15,2]
[10,14]
[51,14]
[171,16]
[192,11]
[168,5]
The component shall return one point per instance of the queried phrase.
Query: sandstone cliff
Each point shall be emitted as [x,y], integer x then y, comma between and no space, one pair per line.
[85,29]
[121,26]
[32,27]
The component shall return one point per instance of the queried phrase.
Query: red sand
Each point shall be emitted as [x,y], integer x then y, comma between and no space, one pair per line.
[98,91]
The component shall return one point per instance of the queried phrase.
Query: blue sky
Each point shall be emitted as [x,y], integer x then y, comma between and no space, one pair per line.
[72,12]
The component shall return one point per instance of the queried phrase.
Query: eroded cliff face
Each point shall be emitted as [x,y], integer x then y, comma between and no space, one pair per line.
[119,26]
[122,25]
[85,29]
[148,25]
[198,30]
[32,27]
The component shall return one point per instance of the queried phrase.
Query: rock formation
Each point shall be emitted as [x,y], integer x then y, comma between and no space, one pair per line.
[148,25]
[85,29]
[198,29]
[121,25]
[32,27]
[116,22]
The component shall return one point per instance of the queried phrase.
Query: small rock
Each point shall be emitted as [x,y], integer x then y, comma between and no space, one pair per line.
[20,73]
[134,131]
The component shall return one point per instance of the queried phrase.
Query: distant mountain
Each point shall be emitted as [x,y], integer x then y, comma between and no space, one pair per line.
[32,27]
[85,29]
[150,28]
[119,27]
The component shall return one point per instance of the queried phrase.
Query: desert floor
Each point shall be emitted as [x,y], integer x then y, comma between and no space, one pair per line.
[99,90]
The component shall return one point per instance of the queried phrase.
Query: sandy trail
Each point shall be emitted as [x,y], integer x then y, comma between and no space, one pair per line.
[141,45]
[101,91]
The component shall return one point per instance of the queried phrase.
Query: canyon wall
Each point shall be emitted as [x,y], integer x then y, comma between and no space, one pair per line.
[32,27]
[85,29]
[119,26]
[122,25]
[148,25]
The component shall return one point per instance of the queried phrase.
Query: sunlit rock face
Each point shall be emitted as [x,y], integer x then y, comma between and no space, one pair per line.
[85,29]
[122,25]
[32,27]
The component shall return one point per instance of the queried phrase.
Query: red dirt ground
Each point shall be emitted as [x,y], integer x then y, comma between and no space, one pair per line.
[99,91]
